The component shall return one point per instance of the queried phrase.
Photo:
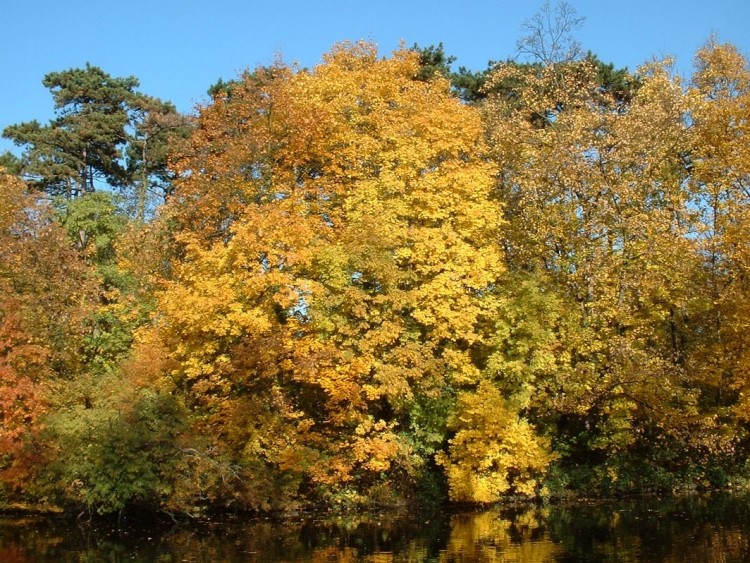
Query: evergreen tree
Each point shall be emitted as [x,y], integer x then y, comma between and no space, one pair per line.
[83,142]
[105,132]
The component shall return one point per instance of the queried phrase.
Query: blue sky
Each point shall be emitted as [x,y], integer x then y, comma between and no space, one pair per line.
[178,48]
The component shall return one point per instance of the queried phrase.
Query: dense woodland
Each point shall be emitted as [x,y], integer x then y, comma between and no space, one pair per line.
[377,282]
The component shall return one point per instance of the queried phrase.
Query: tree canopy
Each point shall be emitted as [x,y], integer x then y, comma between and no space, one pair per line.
[377,282]
[105,134]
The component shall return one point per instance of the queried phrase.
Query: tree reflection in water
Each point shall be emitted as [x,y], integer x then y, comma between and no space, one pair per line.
[700,528]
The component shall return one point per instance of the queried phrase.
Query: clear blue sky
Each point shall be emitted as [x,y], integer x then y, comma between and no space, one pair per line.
[178,48]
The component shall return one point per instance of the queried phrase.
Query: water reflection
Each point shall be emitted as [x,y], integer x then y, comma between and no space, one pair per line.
[715,528]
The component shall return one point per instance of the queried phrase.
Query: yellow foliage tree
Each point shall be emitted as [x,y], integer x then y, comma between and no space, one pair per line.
[598,214]
[721,180]
[493,451]
[338,237]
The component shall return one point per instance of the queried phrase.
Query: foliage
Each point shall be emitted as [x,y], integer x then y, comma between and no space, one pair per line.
[46,294]
[720,173]
[157,129]
[111,445]
[597,210]
[105,133]
[493,451]
[289,257]
[97,225]
[380,280]
[84,141]
[433,60]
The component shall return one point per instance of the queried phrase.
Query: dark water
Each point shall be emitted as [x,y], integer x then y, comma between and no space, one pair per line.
[692,529]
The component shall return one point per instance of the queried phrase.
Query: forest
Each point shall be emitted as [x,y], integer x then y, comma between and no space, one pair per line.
[378,282]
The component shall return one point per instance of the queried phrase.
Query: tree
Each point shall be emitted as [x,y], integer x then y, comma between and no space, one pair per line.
[104,131]
[720,180]
[597,210]
[109,444]
[96,224]
[472,86]
[157,130]
[83,143]
[493,452]
[46,296]
[550,35]
[10,163]
[467,84]
[338,242]
[433,60]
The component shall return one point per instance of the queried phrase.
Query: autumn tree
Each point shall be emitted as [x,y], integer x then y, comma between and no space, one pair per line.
[362,287]
[720,177]
[46,295]
[599,215]
[339,241]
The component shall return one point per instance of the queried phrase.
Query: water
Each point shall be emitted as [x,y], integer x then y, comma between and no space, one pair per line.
[695,529]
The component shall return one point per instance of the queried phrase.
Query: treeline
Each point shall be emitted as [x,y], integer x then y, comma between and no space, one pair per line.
[379,281]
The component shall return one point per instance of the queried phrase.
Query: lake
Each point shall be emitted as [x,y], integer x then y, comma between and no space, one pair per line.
[693,528]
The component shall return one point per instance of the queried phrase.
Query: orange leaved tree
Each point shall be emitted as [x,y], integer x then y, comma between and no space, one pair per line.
[337,242]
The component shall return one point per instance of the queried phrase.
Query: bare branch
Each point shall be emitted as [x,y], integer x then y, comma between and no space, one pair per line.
[549,35]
